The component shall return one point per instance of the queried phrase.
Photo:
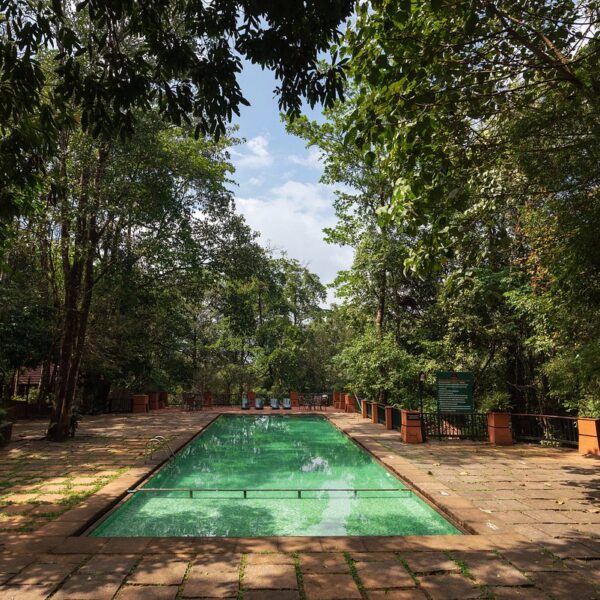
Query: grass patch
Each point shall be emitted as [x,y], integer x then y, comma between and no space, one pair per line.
[243,564]
[354,572]
[299,576]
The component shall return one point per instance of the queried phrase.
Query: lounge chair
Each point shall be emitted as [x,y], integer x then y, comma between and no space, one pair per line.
[274,404]
[259,404]
[287,404]
[245,403]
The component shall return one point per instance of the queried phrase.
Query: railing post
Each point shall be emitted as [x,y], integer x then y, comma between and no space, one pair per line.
[388,418]
[411,432]
[499,431]
[374,414]
[589,436]
[363,409]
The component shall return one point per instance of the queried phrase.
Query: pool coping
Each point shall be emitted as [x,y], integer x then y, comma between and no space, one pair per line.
[76,523]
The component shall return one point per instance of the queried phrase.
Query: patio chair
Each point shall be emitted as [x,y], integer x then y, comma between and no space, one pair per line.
[274,404]
[245,403]
[287,404]
[259,404]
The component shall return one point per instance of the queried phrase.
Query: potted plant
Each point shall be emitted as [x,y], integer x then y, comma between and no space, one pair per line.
[497,406]
[5,427]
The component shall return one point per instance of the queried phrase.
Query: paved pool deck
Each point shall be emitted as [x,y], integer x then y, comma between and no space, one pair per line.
[531,516]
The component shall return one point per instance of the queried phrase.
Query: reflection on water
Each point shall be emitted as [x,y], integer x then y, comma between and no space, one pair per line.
[273,452]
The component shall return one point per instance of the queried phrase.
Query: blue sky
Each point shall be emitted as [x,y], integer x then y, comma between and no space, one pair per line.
[278,190]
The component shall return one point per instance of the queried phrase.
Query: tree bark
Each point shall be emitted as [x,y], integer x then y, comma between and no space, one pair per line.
[78,272]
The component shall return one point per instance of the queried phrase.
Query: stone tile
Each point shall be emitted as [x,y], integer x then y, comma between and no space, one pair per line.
[13,564]
[513,592]
[219,562]
[428,562]
[324,563]
[148,592]
[373,556]
[80,545]
[125,546]
[271,595]
[203,583]
[14,509]
[163,570]
[90,586]
[25,592]
[103,563]
[271,558]
[413,594]
[384,574]
[48,509]
[274,577]
[450,586]
[40,574]
[488,569]
[589,569]
[330,586]
[567,585]
[533,559]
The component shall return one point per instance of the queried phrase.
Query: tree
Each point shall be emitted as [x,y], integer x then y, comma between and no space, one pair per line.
[95,65]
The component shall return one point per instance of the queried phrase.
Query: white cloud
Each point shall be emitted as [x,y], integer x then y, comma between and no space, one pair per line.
[256,154]
[313,159]
[291,217]
[255,181]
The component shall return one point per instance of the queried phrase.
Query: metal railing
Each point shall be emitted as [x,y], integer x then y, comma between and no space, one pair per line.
[369,409]
[396,418]
[545,429]
[381,413]
[158,442]
[296,493]
[469,426]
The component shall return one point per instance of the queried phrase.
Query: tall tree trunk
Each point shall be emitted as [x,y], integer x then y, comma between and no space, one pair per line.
[78,272]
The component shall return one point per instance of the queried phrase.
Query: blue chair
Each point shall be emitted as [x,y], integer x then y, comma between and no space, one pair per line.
[274,404]
[259,404]
[245,403]
[287,404]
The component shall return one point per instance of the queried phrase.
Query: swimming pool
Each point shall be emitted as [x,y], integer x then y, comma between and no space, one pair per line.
[273,475]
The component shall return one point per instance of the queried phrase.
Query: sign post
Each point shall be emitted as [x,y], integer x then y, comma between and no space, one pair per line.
[454,392]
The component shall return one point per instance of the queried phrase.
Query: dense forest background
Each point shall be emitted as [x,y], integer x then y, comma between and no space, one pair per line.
[463,137]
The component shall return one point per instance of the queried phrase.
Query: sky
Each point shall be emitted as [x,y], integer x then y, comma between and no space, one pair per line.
[278,189]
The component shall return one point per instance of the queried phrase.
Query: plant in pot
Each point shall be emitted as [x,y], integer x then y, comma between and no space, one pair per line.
[5,427]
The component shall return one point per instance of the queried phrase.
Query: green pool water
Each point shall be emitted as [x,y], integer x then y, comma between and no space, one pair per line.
[263,453]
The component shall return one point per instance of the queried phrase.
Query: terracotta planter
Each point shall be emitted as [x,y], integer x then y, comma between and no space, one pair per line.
[153,400]
[411,432]
[295,398]
[349,406]
[589,436]
[5,433]
[139,403]
[499,431]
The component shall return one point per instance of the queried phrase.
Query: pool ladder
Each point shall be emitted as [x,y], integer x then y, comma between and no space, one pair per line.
[158,442]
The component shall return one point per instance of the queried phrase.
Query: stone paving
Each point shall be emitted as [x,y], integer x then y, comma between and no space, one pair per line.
[531,516]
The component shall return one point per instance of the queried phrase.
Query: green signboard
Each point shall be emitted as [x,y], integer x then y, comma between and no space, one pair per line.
[454,392]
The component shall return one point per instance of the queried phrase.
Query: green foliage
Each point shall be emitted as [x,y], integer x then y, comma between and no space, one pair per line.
[92,67]
[371,363]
